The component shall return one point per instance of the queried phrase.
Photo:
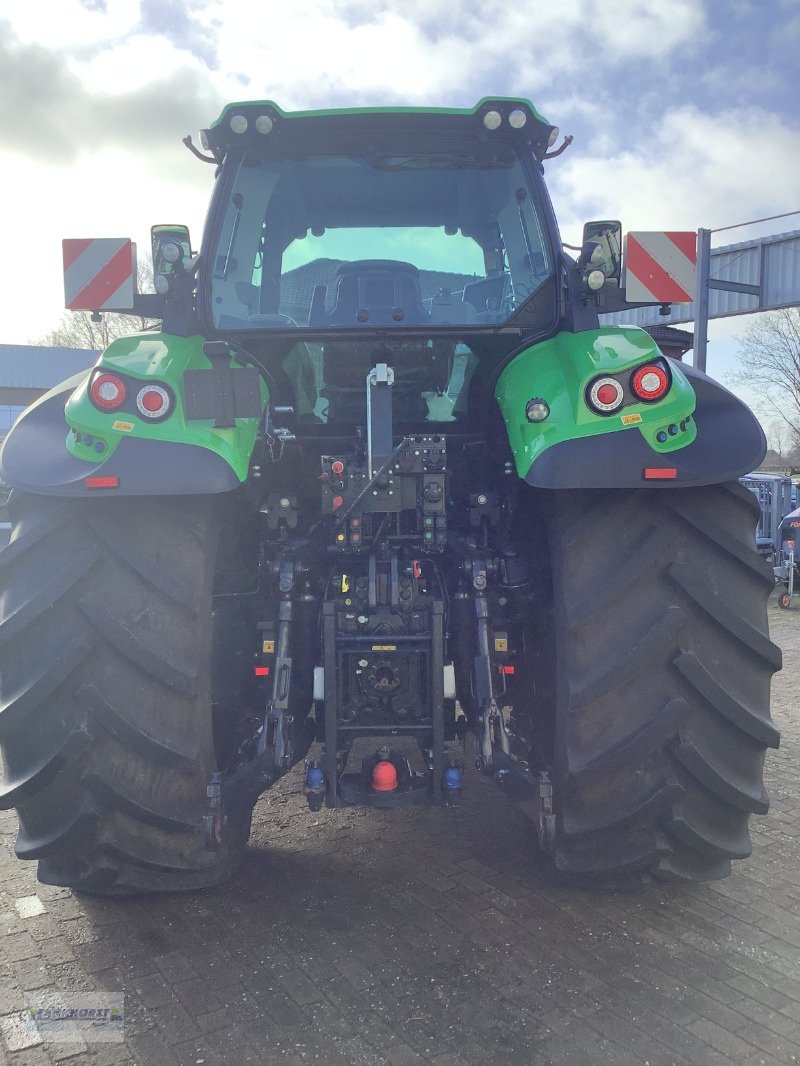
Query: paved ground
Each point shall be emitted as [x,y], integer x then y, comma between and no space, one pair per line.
[426,936]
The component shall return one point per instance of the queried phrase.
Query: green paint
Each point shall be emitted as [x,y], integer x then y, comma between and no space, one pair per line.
[559,369]
[162,359]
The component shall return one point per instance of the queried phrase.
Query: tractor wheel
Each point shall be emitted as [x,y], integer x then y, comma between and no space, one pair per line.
[106,725]
[784,600]
[663,666]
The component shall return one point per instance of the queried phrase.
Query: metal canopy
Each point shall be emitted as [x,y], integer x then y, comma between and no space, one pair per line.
[33,366]
[758,275]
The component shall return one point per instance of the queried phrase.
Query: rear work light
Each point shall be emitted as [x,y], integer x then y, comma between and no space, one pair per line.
[605,395]
[153,402]
[107,392]
[650,383]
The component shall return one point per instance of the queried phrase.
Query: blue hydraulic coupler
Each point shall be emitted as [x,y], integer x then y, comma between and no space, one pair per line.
[314,786]
[453,782]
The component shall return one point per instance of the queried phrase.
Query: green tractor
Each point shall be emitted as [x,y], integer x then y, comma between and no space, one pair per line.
[379,480]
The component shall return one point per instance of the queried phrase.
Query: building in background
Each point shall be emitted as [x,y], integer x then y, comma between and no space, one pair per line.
[28,371]
[673,342]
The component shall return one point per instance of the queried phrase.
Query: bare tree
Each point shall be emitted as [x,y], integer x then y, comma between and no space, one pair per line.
[777,435]
[80,329]
[770,365]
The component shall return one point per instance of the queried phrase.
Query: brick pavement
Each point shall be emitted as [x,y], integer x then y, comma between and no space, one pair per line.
[426,936]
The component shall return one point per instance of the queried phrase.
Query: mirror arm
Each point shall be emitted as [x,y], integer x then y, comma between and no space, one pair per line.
[187,140]
[562,147]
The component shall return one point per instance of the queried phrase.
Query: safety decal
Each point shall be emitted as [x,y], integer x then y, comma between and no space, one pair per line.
[99,274]
[660,266]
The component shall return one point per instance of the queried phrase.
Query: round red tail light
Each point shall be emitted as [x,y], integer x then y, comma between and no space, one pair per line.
[153,402]
[650,382]
[107,392]
[606,395]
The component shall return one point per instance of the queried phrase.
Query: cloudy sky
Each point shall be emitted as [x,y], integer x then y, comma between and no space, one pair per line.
[685,113]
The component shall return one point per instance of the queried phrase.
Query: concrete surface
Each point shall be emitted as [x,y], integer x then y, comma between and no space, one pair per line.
[426,936]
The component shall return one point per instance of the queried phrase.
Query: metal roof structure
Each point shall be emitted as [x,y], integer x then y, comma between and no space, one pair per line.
[28,366]
[768,266]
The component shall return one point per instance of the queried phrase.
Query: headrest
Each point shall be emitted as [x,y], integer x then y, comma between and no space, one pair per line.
[388,266]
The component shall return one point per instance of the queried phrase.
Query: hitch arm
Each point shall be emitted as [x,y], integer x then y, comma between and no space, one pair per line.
[276,719]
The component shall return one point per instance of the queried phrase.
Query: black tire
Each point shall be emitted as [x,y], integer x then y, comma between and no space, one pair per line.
[105,710]
[663,675]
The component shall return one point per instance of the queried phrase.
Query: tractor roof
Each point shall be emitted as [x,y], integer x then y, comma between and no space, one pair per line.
[254,122]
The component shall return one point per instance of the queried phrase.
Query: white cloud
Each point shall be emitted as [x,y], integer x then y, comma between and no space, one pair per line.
[697,170]
[101,196]
[68,24]
[100,95]
[129,64]
[423,51]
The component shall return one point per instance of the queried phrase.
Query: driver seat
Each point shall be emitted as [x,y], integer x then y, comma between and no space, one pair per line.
[377,292]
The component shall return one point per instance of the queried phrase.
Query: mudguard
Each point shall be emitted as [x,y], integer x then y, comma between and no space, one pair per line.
[63,439]
[697,434]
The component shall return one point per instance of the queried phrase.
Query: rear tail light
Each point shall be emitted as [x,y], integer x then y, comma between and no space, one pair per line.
[107,392]
[153,402]
[659,473]
[605,395]
[650,382]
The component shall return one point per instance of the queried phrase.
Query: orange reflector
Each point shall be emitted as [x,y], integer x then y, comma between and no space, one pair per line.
[384,777]
[111,482]
[659,473]
[261,671]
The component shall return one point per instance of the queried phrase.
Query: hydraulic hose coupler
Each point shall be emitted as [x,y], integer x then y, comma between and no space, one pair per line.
[314,787]
[452,784]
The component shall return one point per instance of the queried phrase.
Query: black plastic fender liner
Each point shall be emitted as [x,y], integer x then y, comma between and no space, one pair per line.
[34,458]
[729,443]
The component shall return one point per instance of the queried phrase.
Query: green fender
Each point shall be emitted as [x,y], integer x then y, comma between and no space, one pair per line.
[64,438]
[697,434]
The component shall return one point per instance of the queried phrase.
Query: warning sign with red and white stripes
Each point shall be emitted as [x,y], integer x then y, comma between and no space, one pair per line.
[99,274]
[660,266]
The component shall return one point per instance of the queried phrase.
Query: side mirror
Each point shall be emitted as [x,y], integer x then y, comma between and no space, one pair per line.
[162,239]
[607,253]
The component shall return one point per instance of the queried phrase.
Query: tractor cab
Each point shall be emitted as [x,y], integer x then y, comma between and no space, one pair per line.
[395,222]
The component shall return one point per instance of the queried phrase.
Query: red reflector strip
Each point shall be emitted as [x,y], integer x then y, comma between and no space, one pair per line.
[659,473]
[261,671]
[111,482]
[509,669]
